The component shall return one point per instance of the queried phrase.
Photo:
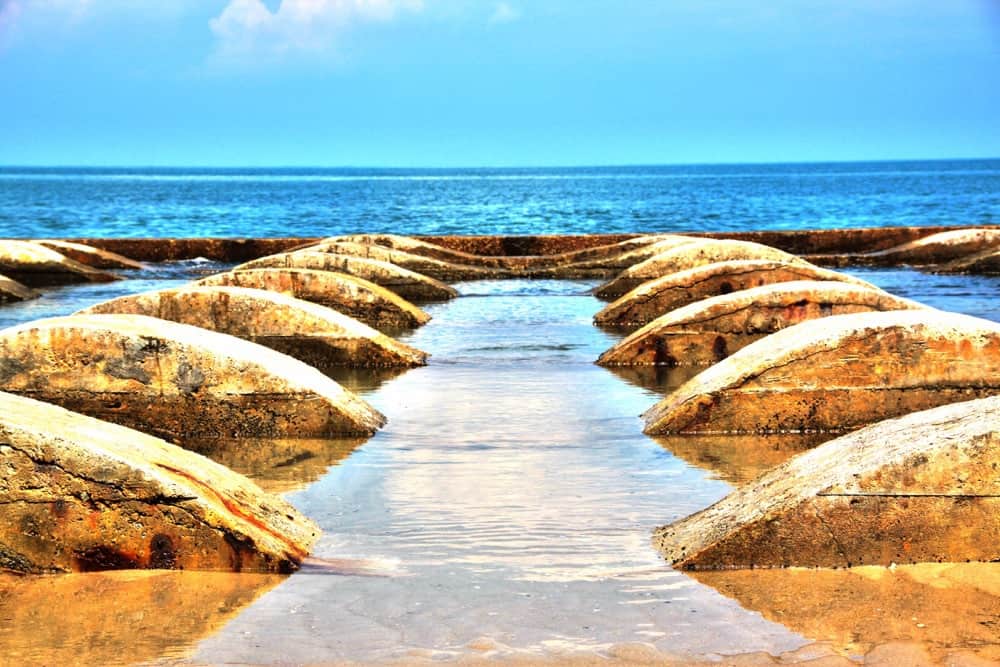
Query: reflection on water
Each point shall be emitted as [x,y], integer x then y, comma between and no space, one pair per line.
[114,617]
[505,510]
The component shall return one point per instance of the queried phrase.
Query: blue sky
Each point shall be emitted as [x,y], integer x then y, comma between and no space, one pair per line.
[488,83]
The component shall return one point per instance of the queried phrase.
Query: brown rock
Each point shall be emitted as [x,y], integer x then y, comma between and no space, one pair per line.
[80,494]
[412,246]
[687,256]
[90,256]
[708,331]
[935,249]
[986,262]
[355,297]
[426,266]
[312,333]
[11,290]
[175,381]
[675,290]
[407,284]
[837,374]
[920,488]
[37,266]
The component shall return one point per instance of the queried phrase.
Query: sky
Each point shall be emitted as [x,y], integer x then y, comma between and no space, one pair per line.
[445,83]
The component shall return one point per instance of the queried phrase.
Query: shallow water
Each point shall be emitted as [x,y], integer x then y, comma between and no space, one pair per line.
[505,510]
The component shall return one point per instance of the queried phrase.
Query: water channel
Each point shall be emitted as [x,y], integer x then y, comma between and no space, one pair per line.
[504,512]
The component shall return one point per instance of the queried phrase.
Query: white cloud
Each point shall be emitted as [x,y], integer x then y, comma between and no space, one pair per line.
[504,13]
[249,29]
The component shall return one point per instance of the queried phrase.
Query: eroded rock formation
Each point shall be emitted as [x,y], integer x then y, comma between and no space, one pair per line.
[90,256]
[838,373]
[11,290]
[175,381]
[355,297]
[426,266]
[920,488]
[708,331]
[37,266]
[312,333]
[80,494]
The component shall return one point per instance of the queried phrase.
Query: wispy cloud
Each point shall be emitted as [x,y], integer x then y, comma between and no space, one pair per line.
[504,13]
[247,30]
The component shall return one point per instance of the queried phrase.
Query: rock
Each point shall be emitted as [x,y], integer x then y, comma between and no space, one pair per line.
[600,262]
[916,489]
[37,266]
[675,290]
[708,331]
[426,266]
[401,281]
[935,249]
[687,256]
[355,297]
[837,374]
[413,246]
[175,381]
[80,494]
[986,262]
[11,290]
[312,333]
[90,256]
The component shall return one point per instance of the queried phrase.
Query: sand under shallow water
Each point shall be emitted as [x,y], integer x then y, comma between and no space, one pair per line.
[505,513]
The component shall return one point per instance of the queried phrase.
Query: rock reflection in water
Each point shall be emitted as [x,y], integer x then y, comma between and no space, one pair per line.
[279,465]
[945,607]
[738,459]
[661,380]
[117,617]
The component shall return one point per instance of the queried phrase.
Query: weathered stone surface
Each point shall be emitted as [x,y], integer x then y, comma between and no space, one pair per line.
[708,331]
[675,290]
[601,262]
[414,246]
[920,488]
[407,284]
[91,256]
[11,290]
[37,266]
[838,373]
[986,263]
[312,333]
[80,494]
[687,256]
[175,381]
[935,249]
[355,297]
[427,266]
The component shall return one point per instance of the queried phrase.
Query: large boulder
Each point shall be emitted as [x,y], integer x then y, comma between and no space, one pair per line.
[312,333]
[91,256]
[427,266]
[407,284]
[80,494]
[838,373]
[675,290]
[420,247]
[920,488]
[355,297]
[37,266]
[11,290]
[175,381]
[687,256]
[935,249]
[986,262]
[708,331]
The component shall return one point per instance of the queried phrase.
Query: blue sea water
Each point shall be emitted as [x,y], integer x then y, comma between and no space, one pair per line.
[162,202]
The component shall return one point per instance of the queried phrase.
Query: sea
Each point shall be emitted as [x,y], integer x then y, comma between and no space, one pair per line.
[507,508]
[198,202]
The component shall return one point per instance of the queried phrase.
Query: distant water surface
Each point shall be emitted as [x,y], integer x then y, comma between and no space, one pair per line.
[162,202]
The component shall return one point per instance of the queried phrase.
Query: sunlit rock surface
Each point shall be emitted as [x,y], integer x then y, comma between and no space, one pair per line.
[919,488]
[675,290]
[37,266]
[11,290]
[416,246]
[175,381]
[838,373]
[425,266]
[708,331]
[80,494]
[407,284]
[935,249]
[315,334]
[91,256]
[687,256]
[986,262]
[355,297]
